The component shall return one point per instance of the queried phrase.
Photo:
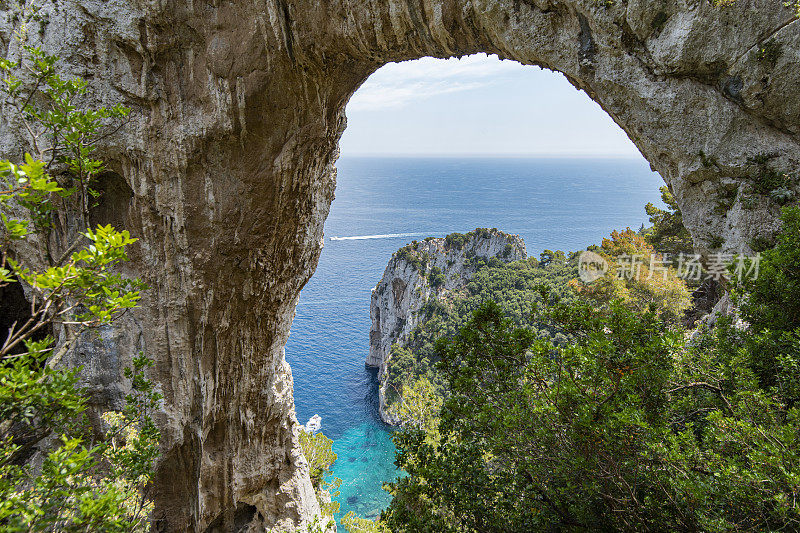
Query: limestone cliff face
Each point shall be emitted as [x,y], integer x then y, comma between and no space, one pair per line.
[225,171]
[432,268]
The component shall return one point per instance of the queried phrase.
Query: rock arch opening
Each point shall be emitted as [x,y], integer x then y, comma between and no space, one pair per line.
[634,60]
[230,153]
[425,155]
[272,116]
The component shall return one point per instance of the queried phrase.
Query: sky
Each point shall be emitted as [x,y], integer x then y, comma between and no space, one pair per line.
[477,105]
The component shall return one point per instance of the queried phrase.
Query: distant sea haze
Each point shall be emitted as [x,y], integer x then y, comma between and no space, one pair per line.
[383,203]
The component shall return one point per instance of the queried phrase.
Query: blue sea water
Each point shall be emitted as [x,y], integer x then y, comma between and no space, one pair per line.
[564,204]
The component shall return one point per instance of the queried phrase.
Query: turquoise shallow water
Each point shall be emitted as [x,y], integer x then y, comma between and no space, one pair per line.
[366,460]
[552,203]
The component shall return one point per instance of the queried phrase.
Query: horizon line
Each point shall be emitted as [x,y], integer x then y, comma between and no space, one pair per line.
[473,155]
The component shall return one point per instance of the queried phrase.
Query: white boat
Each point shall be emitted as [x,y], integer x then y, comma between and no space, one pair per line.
[314,424]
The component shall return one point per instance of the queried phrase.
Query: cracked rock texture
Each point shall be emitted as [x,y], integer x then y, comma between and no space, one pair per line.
[227,174]
[407,285]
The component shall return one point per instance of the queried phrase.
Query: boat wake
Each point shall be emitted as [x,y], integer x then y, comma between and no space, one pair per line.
[386,236]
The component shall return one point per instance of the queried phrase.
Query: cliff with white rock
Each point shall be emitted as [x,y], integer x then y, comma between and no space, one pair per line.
[433,268]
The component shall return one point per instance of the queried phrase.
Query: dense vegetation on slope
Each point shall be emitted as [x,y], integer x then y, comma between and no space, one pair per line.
[626,427]
[511,284]
[515,288]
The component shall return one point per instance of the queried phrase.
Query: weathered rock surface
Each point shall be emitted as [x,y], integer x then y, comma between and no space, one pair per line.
[408,283]
[228,166]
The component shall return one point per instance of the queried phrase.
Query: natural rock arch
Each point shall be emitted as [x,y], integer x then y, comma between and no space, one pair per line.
[238,106]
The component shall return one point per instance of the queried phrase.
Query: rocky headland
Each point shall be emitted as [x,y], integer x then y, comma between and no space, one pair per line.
[433,268]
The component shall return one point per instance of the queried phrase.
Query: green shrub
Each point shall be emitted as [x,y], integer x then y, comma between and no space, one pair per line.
[455,241]
[436,278]
[82,484]
[769,52]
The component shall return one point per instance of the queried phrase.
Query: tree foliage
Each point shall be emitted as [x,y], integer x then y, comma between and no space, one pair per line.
[354,524]
[418,406]
[514,286]
[638,276]
[625,427]
[82,480]
[770,305]
[318,451]
[668,235]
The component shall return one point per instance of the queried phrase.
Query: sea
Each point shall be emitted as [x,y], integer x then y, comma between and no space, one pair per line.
[384,203]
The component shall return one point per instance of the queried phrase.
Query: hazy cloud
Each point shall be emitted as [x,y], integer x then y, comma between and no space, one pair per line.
[398,84]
